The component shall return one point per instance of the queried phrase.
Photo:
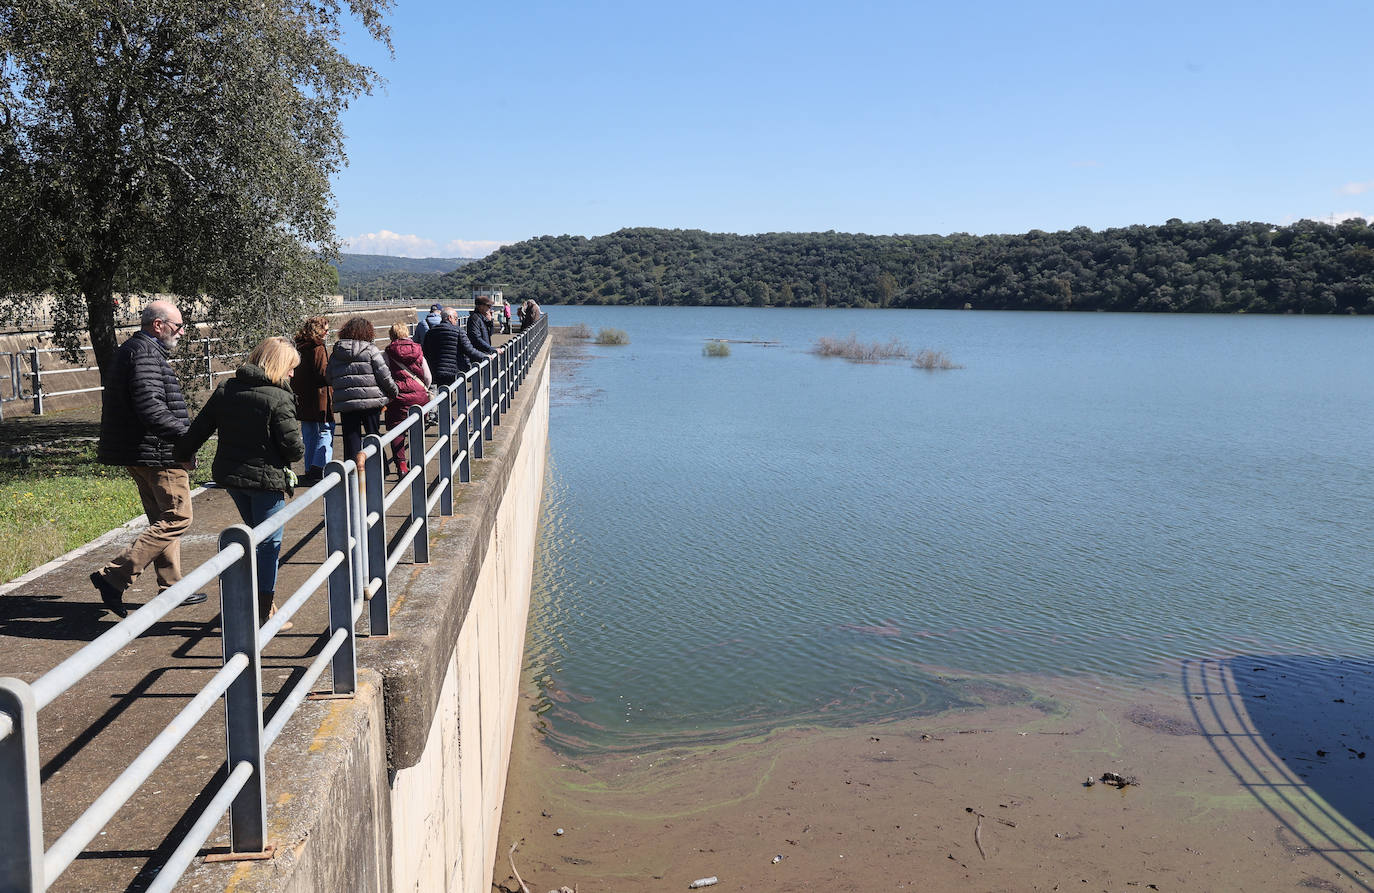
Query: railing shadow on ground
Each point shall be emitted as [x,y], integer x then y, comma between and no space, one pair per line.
[352,573]
[56,617]
[1297,733]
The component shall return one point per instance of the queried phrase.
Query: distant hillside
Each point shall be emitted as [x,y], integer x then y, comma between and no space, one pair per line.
[1210,266]
[353,264]
[379,276]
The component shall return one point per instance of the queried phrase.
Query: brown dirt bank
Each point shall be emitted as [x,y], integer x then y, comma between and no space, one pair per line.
[993,799]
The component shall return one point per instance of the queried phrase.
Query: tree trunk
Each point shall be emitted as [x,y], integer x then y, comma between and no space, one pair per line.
[100,319]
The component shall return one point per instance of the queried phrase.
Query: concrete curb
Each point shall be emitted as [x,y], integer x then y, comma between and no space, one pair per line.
[135,524]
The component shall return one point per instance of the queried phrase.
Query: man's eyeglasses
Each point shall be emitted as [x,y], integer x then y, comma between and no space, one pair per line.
[176,326]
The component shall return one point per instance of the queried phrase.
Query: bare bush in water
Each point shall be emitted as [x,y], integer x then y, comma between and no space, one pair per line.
[934,359]
[612,336]
[857,351]
[716,349]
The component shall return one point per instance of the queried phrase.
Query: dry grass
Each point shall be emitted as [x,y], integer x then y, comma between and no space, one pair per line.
[934,360]
[716,349]
[854,350]
[612,336]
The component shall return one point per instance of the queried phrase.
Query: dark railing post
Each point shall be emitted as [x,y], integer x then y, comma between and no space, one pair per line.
[336,536]
[475,416]
[498,381]
[374,489]
[509,375]
[418,490]
[21,799]
[36,377]
[446,454]
[460,405]
[243,700]
[488,410]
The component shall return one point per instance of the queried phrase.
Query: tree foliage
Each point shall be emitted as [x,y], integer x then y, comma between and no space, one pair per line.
[1204,267]
[172,145]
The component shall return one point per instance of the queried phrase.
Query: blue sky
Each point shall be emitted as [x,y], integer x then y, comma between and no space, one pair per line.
[504,121]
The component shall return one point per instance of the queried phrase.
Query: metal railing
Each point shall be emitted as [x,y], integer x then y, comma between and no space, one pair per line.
[355,571]
[14,362]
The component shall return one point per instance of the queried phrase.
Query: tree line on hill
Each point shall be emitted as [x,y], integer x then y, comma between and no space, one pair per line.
[1200,267]
[378,277]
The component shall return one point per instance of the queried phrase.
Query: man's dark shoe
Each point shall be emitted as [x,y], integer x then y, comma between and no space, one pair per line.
[197,598]
[112,597]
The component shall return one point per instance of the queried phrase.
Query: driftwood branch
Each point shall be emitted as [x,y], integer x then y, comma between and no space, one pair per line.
[978,832]
[511,856]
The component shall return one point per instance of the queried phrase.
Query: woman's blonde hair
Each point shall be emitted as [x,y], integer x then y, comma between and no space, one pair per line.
[314,328]
[276,357]
[398,331]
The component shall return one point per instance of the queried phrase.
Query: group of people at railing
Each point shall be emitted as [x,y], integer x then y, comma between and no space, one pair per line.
[277,409]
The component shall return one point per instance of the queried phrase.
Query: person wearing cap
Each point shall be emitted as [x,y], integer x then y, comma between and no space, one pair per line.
[480,325]
[432,319]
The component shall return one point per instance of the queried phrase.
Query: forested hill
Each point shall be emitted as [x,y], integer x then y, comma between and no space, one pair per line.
[380,277]
[1305,267]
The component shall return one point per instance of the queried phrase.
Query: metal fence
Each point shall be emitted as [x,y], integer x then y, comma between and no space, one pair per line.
[354,573]
[23,372]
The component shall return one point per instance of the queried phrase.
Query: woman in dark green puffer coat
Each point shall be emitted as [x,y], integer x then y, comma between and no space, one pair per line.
[259,438]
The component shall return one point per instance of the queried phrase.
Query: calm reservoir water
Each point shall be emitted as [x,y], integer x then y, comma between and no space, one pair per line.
[730,544]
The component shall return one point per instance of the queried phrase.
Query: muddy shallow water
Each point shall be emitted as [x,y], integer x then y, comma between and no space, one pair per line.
[992,798]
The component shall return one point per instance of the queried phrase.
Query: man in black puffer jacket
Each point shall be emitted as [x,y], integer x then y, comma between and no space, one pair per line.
[142,415]
[448,351]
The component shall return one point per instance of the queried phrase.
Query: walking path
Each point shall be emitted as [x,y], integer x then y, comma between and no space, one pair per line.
[88,736]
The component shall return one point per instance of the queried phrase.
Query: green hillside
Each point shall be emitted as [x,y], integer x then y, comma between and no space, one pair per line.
[1210,266]
[382,277]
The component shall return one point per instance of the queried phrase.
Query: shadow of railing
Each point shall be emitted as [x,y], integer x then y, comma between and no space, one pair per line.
[1298,734]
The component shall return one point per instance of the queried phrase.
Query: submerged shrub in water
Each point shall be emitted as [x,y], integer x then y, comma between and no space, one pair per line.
[934,359]
[716,349]
[581,330]
[857,351]
[612,336]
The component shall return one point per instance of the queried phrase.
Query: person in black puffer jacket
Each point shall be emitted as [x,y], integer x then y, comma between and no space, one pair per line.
[480,326]
[142,414]
[362,383]
[259,438]
[448,350]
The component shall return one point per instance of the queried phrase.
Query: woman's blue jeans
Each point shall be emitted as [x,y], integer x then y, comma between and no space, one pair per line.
[256,506]
[319,443]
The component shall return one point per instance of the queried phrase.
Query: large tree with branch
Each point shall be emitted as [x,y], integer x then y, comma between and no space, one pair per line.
[176,145]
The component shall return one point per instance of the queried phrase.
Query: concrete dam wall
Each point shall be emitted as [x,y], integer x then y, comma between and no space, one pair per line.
[400,787]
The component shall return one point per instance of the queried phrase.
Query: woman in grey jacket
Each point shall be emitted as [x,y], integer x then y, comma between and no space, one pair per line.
[362,383]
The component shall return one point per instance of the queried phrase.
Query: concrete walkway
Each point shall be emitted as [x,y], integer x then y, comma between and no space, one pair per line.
[88,736]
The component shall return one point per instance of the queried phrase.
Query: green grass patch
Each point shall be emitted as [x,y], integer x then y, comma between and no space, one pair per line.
[716,349]
[612,336]
[56,496]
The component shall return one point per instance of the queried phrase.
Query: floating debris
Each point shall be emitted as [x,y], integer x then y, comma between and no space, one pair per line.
[1119,781]
[703,882]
